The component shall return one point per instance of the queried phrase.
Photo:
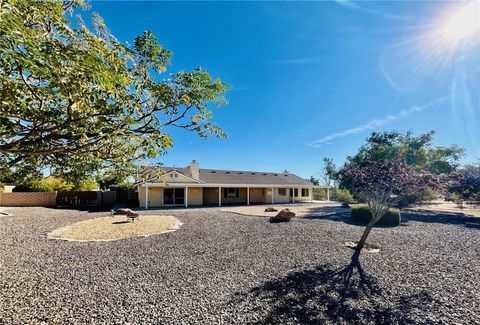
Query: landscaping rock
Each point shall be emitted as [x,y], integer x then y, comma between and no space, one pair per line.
[124,211]
[224,268]
[283,216]
[271,209]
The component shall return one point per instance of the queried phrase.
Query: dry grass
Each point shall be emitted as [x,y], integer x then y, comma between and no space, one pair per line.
[115,228]
[448,207]
[300,210]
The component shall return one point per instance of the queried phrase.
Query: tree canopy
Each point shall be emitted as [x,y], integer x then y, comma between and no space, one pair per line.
[465,184]
[383,183]
[418,151]
[75,100]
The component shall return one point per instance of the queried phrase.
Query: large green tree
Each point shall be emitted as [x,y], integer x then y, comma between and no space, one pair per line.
[76,100]
[418,151]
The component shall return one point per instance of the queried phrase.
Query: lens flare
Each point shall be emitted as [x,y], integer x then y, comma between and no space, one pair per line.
[464,23]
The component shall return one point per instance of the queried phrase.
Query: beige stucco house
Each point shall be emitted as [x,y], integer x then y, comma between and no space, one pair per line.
[192,186]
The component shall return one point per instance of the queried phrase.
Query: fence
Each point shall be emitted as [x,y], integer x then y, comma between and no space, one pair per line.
[28,199]
[86,199]
[69,199]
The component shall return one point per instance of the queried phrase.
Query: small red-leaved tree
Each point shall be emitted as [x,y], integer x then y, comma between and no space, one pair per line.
[382,183]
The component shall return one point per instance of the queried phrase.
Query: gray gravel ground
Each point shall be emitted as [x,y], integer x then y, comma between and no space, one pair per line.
[223,268]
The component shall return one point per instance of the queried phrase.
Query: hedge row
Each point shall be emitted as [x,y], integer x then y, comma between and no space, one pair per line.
[362,214]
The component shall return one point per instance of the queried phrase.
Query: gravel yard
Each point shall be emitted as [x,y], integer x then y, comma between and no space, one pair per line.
[224,268]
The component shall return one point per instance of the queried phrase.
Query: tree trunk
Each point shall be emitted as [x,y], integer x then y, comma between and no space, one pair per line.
[375,219]
[366,232]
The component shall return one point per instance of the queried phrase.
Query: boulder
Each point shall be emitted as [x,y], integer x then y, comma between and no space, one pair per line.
[283,216]
[271,209]
[123,212]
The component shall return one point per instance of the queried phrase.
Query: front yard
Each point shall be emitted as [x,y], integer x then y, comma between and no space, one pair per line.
[224,268]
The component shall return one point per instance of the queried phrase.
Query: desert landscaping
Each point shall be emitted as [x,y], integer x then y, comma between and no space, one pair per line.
[225,268]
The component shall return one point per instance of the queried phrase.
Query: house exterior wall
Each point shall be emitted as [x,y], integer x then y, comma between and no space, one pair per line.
[281,198]
[141,196]
[301,198]
[276,196]
[195,196]
[174,177]
[257,195]
[242,197]
[155,196]
[209,196]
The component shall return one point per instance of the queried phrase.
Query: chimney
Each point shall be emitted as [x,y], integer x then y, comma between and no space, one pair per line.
[194,169]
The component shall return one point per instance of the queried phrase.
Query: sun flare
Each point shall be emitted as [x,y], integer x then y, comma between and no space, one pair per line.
[464,22]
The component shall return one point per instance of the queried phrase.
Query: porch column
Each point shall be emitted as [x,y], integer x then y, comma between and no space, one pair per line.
[293,194]
[328,193]
[146,197]
[311,195]
[186,196]
[273,199]
[219,196]
[248,195]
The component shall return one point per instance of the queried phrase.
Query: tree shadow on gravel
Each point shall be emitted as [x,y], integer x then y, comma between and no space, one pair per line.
[442,218]
[344,295]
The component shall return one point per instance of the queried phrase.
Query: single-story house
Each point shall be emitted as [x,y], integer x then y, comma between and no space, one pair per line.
[192,186]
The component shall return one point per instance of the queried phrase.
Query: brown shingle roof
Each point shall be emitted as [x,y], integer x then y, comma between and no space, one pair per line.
[218,176]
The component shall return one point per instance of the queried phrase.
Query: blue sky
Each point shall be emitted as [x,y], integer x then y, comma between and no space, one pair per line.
[313,79]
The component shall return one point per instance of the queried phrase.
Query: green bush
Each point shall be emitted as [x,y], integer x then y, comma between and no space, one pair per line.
[320,194]
[362,214]
[340,195]
[32,185]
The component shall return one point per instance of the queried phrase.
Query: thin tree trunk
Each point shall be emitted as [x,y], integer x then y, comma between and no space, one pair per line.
[375,219]
[366,233]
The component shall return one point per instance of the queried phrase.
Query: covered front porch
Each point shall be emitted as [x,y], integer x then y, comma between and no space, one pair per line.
[164,195]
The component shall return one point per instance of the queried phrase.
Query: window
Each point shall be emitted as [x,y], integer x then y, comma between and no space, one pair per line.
[173,196]
[305,192]
[282,191]
[296,192]
[230,193]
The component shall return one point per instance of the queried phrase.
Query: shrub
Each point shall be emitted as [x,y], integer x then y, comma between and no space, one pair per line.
[57,183]
[320,194]
[422,196]
[32,185]
[362,214]
[343,196]
[86,184]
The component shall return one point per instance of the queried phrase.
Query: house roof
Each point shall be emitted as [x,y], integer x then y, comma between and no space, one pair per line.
[219,176]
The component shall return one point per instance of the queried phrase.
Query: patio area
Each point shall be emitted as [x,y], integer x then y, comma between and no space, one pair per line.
[224,268]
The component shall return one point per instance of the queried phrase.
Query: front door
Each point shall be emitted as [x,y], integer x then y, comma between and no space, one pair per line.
[173,196]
